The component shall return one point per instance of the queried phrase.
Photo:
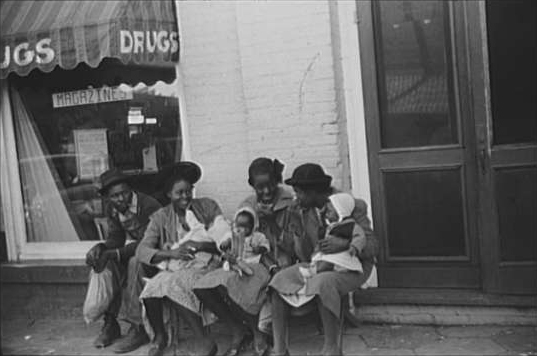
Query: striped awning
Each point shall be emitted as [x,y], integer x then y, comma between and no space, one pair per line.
[44,34]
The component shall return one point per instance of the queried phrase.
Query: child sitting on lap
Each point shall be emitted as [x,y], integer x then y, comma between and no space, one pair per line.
[244,244]
[340,225]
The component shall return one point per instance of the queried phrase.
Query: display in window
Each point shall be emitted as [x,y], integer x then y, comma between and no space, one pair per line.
[91,148]
[64,149]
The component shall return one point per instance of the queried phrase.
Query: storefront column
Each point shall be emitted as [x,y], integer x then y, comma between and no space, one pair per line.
[353,102]
[186,153]
[12,205]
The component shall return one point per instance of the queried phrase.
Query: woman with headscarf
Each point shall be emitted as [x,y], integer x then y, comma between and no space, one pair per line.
[196,226]
[238,300]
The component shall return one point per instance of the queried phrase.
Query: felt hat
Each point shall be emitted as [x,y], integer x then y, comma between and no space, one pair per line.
[109,178]
[189,171]
[309,174]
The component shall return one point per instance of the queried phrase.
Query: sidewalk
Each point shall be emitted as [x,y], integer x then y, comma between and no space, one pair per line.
[73,337]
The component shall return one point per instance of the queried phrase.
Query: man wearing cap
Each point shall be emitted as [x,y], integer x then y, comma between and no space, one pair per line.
[128,213]
[313,188]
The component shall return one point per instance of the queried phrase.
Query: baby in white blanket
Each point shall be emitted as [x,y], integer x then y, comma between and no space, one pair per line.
[342,225]
[196,233]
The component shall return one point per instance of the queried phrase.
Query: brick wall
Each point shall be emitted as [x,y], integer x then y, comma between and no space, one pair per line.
[259,80]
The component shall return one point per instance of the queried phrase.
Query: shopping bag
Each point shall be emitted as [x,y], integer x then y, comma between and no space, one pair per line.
[101,290]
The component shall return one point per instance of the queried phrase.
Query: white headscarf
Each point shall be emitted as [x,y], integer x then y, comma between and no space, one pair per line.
[250,211]
[343,203]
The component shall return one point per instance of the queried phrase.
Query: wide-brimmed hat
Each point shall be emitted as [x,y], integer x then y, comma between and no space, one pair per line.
[109,178]
[309,174]
[189,171]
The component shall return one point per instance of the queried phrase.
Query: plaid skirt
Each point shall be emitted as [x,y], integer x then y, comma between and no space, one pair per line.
[177,285]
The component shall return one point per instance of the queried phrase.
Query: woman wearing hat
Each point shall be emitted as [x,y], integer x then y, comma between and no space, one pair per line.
[194,257]
[312,188]
[238,300]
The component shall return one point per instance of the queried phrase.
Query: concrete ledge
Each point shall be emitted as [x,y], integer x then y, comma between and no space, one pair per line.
[442,296]
[43,272]
[446,315]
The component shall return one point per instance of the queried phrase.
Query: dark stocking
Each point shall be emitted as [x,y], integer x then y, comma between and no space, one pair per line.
[214,301]
[331,330]
[153,308]
[280,313]
[193,320]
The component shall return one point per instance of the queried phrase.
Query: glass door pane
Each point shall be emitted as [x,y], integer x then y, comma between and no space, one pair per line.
[414,73]
[512,44]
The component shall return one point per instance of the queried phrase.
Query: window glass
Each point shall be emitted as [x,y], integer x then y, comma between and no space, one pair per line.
[414,72]
[66,139]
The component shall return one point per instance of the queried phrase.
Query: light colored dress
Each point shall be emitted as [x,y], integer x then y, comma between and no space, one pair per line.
[165,230]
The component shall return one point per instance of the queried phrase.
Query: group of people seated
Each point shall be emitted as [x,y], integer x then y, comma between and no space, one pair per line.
[185,262]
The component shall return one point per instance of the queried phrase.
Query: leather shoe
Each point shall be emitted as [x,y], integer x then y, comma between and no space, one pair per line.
[236,348]
[157,350]
[110,332]
[135,338]
[273,353]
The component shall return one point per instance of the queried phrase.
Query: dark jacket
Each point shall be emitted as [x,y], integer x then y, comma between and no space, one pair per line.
[119,232]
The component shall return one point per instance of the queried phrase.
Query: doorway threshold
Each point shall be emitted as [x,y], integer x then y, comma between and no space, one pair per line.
[436,296]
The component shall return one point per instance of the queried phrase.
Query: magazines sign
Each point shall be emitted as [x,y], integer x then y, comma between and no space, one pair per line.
[89,96]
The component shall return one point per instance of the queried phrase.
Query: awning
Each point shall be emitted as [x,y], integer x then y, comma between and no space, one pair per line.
[44,34]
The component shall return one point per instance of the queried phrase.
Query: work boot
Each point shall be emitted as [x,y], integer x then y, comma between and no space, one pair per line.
[109,332]
[135,338]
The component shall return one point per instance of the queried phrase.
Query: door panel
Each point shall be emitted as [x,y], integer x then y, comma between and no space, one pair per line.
[516,195]
[425,213]
[420,140]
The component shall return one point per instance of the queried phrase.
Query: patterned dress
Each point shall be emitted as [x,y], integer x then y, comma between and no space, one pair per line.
[163,230]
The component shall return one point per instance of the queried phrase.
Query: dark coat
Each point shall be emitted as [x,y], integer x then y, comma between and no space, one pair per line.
[118,231]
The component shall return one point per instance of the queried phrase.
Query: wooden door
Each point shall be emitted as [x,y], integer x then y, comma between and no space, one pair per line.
[421,142]
[503,40]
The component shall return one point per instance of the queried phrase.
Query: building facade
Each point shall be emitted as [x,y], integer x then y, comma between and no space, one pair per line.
[413,106]
[424,109]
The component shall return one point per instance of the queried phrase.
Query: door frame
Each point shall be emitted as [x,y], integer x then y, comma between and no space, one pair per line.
[392,271]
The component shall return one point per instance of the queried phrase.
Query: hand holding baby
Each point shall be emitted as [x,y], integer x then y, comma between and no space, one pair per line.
[183,252]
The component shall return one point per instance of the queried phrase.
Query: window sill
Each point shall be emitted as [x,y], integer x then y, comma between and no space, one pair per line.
[45,272]
[53,251]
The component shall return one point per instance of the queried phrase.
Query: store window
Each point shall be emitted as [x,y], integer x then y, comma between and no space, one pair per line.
[67,135]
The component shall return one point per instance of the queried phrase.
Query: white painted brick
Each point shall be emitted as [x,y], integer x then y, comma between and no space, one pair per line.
[258,81]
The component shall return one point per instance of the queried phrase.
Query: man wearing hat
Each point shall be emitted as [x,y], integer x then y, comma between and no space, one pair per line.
[128,213]
[313,189]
